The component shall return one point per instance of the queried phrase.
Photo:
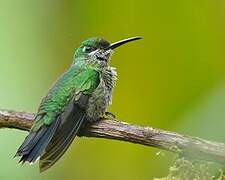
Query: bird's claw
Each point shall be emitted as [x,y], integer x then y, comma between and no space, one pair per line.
[108,115]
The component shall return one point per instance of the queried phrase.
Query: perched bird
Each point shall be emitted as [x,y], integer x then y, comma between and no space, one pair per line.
[81,94]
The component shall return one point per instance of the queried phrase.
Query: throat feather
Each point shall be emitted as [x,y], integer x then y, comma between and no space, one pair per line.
[109,76]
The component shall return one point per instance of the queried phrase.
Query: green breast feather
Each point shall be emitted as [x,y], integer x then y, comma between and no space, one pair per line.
[73,82]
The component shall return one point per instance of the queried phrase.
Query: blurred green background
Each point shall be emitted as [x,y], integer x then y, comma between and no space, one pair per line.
[173,79]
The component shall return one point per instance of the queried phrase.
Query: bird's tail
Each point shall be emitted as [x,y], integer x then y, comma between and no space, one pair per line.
[36,142]
[50,142]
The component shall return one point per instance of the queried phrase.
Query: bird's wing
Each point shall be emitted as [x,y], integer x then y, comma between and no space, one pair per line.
[52,138]
[71,121]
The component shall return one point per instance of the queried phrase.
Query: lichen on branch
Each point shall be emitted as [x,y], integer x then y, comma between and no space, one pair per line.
[191,169]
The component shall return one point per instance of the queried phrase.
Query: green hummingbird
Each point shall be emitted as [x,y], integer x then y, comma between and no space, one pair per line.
[82,94]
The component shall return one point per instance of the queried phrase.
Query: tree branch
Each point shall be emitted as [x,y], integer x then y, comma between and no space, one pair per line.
[113,129]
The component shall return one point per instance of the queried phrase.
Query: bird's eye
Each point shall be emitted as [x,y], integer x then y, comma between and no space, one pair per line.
[88,49]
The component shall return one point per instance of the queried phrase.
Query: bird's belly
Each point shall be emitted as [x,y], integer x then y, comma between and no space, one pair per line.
[98,103]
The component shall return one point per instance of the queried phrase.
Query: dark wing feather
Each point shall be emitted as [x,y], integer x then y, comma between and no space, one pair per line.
[71,121]
[36,142]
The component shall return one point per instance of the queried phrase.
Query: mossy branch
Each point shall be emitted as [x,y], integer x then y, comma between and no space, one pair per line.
[113,129]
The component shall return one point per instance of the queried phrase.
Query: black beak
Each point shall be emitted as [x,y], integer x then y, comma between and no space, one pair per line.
[119,43]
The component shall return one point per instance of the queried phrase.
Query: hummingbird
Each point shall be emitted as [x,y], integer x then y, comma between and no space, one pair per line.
[80,95]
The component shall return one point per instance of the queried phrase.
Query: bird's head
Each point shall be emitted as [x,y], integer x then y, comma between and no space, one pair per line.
[97,50]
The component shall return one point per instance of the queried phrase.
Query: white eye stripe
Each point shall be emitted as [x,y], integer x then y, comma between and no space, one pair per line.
[88,49]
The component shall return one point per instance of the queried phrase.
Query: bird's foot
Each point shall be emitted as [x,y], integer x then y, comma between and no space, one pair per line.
[108,115]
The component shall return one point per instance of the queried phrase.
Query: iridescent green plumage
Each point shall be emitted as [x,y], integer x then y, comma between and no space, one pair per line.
[75,81]
[81,94]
